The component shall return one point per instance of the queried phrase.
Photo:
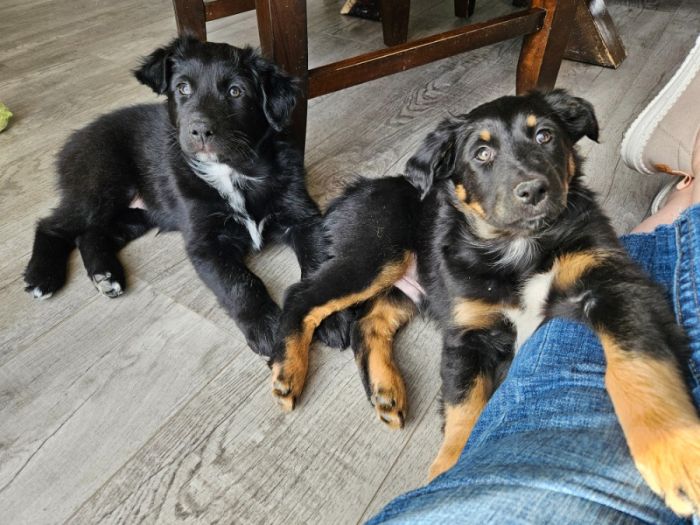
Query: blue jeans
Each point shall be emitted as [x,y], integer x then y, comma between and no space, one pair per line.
[548,447]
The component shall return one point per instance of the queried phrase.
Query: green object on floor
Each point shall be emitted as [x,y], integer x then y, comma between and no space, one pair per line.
[5,115]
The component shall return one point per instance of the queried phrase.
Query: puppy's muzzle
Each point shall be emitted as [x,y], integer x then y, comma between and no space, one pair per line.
[531,193]
[201,133]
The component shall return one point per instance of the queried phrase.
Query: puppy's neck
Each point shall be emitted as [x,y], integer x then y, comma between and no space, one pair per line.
[231,184]
[483,230]
[216,173]
[505,250]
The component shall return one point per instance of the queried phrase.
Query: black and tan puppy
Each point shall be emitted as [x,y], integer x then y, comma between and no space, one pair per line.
[505,234]
[212,162]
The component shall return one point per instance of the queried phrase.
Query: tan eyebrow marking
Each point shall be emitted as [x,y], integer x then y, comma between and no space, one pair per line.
[485,135]
[531,121]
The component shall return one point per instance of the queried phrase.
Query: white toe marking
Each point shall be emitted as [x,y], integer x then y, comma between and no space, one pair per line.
[106,286]
[38,294]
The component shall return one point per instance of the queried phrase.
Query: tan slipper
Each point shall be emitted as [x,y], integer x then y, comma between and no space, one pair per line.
[663,136]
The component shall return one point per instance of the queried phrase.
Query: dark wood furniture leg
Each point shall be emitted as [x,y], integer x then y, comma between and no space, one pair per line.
[546,26]
[376,64]
[464,8]
[594,38]
[542,52]
[394,15]
[190,18]
[283,39]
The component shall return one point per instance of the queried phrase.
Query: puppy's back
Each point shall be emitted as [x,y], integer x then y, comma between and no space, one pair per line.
[112,152]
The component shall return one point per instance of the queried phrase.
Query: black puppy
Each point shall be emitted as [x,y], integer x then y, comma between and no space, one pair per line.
[213,163]
[505,234]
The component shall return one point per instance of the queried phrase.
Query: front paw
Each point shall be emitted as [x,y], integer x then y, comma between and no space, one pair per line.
[335,330]
[670,464]
[388,395]
[108,285]
[261,335]
[289,373]
[42,281]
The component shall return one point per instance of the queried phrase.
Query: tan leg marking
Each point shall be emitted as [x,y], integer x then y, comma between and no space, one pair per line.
[289,376]
[388,392]
[570,267]
[459,422]
[659,421]
[475,314]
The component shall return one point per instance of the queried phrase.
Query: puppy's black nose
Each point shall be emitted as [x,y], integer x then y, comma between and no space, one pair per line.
[531,192]
[201,130]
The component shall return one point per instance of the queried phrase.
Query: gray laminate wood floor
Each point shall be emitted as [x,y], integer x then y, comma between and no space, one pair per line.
[150,407]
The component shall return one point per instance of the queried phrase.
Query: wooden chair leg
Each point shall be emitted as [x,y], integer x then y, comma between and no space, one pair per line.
[190,18]
[394,15]
[595,38]
[283,39]
[542,52]
[464,8]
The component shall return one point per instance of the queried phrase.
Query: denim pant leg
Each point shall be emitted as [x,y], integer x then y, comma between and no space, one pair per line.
[548,447]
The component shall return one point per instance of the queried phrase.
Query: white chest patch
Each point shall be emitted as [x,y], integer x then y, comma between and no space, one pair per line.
[230,184]
[517,251]
[533,297]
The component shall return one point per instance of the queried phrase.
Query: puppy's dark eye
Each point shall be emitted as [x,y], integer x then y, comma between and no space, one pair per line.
[184,88]
[543,136]
[484,154]
[235,91]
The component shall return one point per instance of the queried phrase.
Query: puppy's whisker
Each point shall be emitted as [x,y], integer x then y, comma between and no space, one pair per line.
[173,146]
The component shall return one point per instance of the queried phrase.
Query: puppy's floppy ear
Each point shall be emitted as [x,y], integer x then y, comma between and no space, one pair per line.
[434,160]
[279,90]
[576,113]
[156,68]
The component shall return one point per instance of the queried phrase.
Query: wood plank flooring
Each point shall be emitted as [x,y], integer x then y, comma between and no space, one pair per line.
[150,408]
